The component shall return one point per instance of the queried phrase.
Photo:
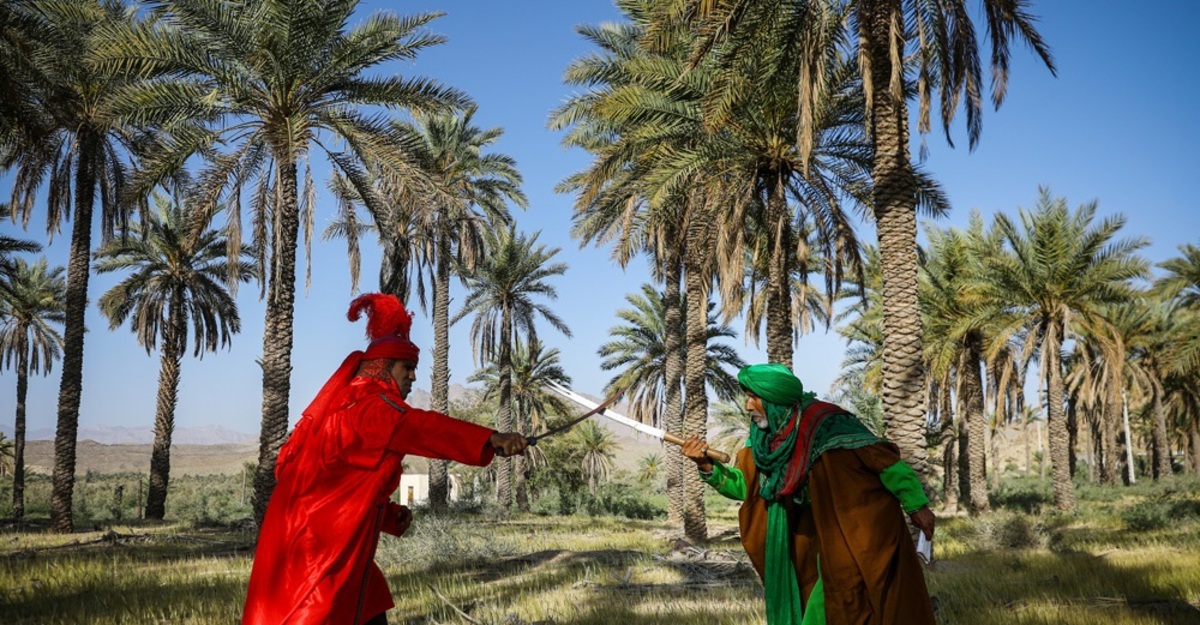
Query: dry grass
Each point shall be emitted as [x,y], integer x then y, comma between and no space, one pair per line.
[1003,568]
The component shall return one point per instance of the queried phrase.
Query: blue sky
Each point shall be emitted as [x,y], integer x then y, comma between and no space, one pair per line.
[1116,126]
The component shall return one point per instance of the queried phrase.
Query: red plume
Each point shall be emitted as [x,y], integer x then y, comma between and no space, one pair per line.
[386,316]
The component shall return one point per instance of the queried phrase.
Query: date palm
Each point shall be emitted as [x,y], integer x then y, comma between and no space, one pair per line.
[474,187]
[533,368]
[31,305]
[599,449]
[638,355]
[502,295]
[10,246]
[900,42]
[78,156]
[176,276]
[1059,266]
[278,82]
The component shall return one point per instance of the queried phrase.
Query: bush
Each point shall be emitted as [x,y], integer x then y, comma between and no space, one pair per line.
[1006,530]
[1028,495]
[1148,515]
[624,500]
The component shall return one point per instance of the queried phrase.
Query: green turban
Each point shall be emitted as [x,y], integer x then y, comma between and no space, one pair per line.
[774,383]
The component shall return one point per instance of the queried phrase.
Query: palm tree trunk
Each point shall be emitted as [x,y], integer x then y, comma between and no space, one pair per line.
[948,438]
[1064,490]
[278,339]
[439,469]
[164,420]
[1162,446]
[521,463]
[976,429]
[695,417]
[1110,466]
[1130,467]
[673,378]
[1072,435]
[779,292]
[895,217]
[1194,435]
[70,390]
[18,500]
[504,494]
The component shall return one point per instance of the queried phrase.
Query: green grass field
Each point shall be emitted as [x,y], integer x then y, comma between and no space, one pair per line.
[1131,556]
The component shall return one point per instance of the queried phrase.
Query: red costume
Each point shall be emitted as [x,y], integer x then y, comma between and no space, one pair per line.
[314,562]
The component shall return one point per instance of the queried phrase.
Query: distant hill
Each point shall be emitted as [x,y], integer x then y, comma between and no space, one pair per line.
[121,435]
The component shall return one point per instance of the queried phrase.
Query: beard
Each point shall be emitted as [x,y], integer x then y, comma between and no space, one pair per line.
[760,420]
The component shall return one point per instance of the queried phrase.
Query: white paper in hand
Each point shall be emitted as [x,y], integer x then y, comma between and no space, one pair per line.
[924,548]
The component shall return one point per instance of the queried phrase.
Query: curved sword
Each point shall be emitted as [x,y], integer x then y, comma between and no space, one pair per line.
[533,440]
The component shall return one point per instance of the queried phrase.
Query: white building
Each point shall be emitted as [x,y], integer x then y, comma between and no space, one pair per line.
[414,489]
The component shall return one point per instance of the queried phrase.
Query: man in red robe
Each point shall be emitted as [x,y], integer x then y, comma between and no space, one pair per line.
[314,561]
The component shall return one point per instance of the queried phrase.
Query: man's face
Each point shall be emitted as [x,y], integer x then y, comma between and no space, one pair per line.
[758,413]
[404,372]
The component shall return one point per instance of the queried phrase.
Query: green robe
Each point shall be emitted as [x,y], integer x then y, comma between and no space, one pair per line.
[843,539]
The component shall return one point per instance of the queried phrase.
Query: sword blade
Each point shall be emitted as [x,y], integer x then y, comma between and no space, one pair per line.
[608,412]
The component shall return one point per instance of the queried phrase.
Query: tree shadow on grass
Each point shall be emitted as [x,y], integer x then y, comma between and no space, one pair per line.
[197,577]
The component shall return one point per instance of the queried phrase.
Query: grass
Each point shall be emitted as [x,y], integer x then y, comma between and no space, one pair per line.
[1130,556]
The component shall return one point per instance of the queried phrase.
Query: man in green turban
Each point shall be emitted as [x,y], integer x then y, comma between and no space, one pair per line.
[823,504]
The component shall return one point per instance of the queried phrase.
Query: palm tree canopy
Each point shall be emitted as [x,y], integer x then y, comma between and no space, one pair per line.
[31,303]
[638,354]
[168,260]
[510,276]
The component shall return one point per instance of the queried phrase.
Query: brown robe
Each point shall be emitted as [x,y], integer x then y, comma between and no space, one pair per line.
[872,575]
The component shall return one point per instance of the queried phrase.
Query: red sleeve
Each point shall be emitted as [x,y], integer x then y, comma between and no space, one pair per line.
[435,435]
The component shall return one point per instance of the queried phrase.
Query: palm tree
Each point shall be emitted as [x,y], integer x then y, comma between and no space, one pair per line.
[1060,267]
[7,456]
[650,468]
[23,39]
[501,294]
[31,300]
[78,156]
[638,355]
[598,447]
[452,154]
[533,368]
[177,275]
[10,246]
[278,81]
[954,344]
[936,43]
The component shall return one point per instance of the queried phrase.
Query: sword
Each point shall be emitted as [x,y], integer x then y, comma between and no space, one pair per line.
[603,410]
[595,409]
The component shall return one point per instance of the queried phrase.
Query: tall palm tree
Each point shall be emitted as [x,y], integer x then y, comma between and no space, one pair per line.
[31,304]
[78,157]
[899,42]
[533,368]
[1060,266]
[955,340]
[474,189]
[501,294]
[176,275]
[279,81]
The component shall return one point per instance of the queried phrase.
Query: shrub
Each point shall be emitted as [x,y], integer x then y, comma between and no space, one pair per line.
[624,500]
[1147,515]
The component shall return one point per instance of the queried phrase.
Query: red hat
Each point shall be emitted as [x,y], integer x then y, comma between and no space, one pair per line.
[388,324]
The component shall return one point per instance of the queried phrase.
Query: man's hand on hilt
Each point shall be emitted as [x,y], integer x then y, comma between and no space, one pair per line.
[508,443]
[696,450]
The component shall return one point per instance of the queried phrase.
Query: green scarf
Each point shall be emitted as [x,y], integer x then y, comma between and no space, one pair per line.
[782,396]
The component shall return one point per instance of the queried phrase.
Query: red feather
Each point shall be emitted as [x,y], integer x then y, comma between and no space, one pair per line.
[386,316]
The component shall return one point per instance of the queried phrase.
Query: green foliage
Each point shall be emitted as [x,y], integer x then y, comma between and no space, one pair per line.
[622,499]
[1028,495]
